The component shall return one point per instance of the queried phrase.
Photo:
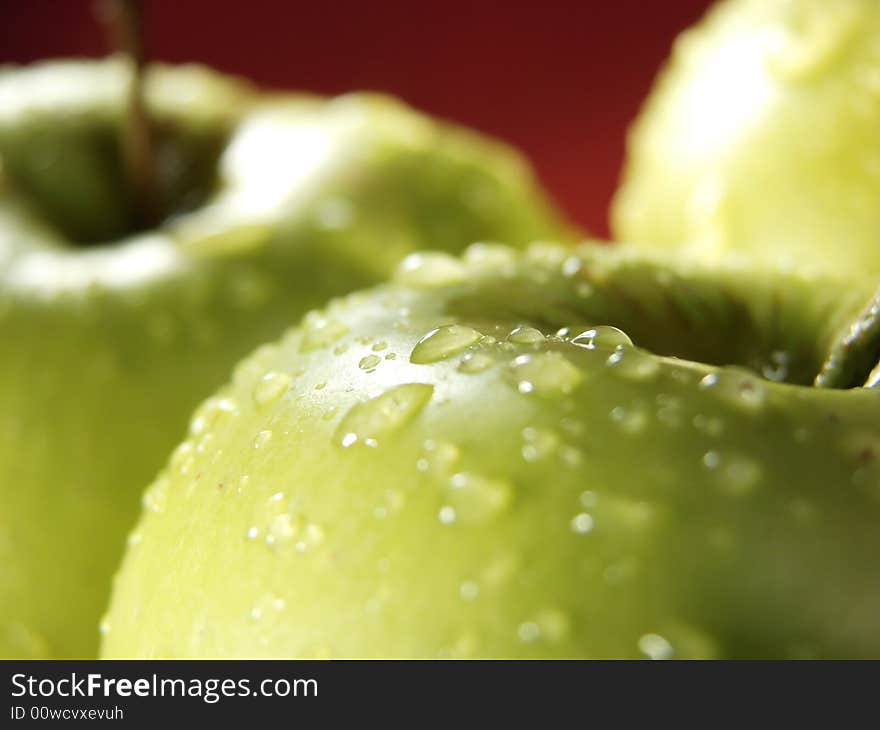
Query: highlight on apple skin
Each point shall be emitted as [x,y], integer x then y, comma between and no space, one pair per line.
[475,461]
[760,139]
[270,204]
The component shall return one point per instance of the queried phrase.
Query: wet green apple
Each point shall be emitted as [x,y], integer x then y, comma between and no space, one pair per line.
[760,137]
[269,205]
[475,460]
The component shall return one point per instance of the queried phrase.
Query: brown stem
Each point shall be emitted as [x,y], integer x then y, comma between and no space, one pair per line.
[125,29]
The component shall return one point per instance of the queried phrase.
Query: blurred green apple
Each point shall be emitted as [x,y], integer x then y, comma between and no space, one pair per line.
[760,137]
[479,463]
[270,204]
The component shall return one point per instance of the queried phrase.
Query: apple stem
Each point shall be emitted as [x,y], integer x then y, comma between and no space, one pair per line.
[124,21]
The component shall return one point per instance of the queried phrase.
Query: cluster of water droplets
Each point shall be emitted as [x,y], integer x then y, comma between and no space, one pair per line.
[536,363]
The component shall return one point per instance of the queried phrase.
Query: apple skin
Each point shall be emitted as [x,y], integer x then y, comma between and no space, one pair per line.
[490,491]
[274,204]
[759,138]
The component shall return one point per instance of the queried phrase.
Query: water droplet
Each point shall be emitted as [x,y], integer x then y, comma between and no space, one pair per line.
[442,342]
[777,369]
[571,266]
[262,438]
[369,362]
[528,632]
[740,475]
[469,590]
[737,388]
[669,410]
[211,413]
[475,362]
[545,374]
[554,624]
[737,474]
[490,257]
[626,514]
[633,364]
[282,528]
[429,269]
[334,214]
[446,515]
[500,570]
[603,337]
[320,331]
[311,536]
[266,608]
[181,457]
[547,255]
[588,499]
[654,646]
[383,414]
[582,524]
[539,443]
[572,427]
[526,336]
[438,457]
[270,387]
[630,420]
[711,459]
[391,503]
[205,443]
[155,499]
[379,346]
[709,425]
[571,457]
[476,499]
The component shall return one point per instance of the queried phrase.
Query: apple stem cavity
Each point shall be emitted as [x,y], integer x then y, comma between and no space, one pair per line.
[124,20]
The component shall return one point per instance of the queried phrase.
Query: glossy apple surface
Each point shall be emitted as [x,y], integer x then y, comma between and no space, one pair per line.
[270,204]
[760,137]
[472,461]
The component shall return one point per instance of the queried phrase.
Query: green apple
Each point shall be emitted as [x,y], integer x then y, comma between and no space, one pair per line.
[480,463]
[270,205]
[760,137]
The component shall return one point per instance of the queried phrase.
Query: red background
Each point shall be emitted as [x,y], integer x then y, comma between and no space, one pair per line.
[559,79]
